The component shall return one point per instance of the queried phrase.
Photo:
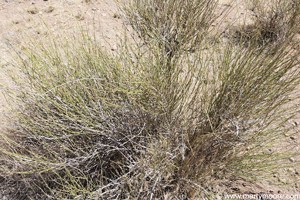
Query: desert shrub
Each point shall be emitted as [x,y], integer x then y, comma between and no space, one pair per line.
[274,21]
[82,118]
[242,110]
[176,25]
[228,98]
[143,123]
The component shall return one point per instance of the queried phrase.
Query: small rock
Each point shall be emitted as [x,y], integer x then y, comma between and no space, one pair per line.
[113,48]
[49,9]
[15,22]
[116,16]
[293,138]
[292,159]
[32,10]
[267,151]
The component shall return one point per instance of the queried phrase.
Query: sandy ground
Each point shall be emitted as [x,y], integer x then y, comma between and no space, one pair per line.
[25,16]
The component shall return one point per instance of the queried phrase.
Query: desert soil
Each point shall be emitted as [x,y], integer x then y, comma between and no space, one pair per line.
[19,17]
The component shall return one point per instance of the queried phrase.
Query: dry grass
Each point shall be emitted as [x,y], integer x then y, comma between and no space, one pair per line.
[274,21]
[153,120]
[174,25]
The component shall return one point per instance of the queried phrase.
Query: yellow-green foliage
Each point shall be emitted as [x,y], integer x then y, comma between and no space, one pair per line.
[144,123]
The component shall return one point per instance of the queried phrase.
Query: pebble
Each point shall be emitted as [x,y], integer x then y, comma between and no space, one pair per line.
[292,138]
[292,159]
